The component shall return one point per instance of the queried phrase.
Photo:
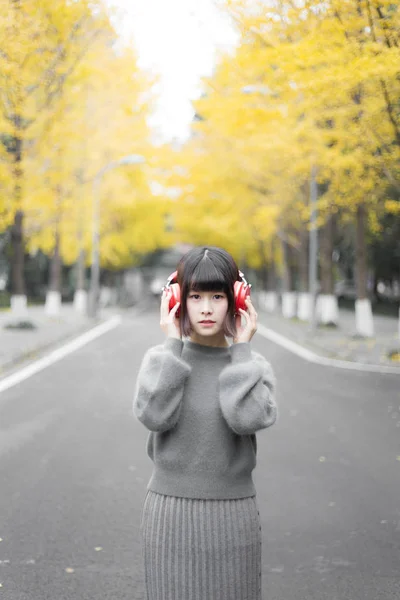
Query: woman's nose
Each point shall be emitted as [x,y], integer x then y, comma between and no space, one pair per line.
[206,305]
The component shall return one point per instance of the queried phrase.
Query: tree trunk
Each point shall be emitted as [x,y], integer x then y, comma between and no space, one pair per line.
[80,295]
[268,296]
[304,298]
[303,262]
[264,265]
[17,255]
[80,275]
[272,276]
[364,317]
[289,299]
[55,266]
[326,253]
[327,309]
[287,279]
[53,296]
[17,232]
[361,253]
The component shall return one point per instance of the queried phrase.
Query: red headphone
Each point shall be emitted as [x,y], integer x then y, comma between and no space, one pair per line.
[241,291]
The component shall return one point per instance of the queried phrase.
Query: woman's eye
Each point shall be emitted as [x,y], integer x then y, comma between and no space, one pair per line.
[196,296]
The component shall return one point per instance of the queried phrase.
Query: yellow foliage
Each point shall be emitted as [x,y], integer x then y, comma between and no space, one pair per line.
[305,87]
[309,85]
[77,103]
[392,206]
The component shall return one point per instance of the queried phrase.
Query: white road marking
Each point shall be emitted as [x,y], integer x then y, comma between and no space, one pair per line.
[302,352]
[59,353]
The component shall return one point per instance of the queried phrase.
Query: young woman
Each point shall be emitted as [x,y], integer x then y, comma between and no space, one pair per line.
[203,401]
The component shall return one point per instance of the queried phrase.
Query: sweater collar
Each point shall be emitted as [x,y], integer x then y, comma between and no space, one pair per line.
[207,350]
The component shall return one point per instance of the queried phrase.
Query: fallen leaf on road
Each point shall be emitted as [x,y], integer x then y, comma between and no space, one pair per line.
[69,570]
[98,548]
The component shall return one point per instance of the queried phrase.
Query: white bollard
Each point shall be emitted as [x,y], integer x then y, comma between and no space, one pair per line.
[80,301]
[105,296]
[364,319]
[304,306]
[289,304]
[399,323]
[52,305]
[271,301]
[19,306]
[261,299]
[327,309]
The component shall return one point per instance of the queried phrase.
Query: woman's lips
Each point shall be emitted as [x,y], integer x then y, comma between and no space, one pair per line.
[207,323]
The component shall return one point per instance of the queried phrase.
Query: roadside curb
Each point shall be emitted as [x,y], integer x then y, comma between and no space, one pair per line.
[313,357]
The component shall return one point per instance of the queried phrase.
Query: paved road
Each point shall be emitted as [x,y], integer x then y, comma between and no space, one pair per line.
[73,472]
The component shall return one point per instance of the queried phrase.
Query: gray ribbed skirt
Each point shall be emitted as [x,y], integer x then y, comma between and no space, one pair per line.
[201,549]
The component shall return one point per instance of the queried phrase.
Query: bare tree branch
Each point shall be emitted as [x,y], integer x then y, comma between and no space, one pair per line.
[59,83]
[4,54]
[390,112]
[380,157]
[382,17]
[50,71]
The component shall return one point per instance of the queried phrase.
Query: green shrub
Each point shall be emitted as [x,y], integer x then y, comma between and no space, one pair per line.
[5,299]
[20,325]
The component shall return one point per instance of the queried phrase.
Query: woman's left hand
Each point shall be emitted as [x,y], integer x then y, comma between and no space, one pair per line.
[245,332]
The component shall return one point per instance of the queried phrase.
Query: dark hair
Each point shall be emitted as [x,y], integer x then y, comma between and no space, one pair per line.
[207,269]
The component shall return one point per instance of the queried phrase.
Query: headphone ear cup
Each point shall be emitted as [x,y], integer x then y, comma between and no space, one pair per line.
[241,292]
[175,297]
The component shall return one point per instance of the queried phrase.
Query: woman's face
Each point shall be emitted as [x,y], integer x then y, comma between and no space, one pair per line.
[207,312]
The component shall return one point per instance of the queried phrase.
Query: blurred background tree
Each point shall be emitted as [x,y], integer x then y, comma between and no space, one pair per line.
[73,99]
[308,86]
[307,100]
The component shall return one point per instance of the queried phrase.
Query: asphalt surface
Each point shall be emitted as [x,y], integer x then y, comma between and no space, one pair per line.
[73,474]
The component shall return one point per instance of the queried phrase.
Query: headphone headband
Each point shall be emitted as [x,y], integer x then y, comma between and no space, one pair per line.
[243,279]
[170,278]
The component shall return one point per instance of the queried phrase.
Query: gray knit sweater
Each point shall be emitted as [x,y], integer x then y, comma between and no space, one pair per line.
[203,406]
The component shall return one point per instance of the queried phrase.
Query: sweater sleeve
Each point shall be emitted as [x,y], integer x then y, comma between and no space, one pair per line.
[247,387]
[159,386]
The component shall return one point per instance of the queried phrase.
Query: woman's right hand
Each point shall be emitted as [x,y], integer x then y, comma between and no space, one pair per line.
[168,321]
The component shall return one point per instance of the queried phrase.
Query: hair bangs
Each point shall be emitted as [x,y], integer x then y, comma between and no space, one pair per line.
[206,277]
